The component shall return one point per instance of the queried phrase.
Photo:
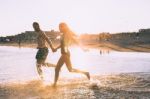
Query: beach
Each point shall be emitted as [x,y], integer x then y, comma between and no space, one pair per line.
[75,49]
[115,76]
[114,86]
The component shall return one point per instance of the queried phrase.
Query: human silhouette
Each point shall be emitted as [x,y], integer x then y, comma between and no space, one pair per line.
[42,52]
[68,38]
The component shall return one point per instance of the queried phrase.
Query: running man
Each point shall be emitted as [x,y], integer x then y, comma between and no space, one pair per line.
[42,52]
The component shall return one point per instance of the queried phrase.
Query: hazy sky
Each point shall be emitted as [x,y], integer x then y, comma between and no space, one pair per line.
[83,16]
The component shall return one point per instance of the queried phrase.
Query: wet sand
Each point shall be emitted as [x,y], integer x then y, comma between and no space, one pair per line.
[112,86]
[121,48]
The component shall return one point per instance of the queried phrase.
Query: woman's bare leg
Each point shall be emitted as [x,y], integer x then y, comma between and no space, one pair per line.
[57,69]
[69,66]
[82,72]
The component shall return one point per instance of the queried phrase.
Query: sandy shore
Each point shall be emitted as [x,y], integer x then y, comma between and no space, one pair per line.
[122,48]
[114,86]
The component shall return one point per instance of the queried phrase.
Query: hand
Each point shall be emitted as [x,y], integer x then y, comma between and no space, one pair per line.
[54,50]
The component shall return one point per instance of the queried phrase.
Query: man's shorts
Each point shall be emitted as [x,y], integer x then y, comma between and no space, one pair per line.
[42,54]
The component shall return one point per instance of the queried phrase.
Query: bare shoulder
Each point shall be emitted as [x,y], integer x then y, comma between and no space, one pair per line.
[42,33]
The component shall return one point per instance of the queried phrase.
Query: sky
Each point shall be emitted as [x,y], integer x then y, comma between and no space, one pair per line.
[82,16]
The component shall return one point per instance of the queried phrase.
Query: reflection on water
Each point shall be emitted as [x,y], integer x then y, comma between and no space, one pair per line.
[19,64]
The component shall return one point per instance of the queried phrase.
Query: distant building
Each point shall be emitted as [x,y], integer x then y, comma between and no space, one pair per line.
[7,40]
[52,34]
[144,30]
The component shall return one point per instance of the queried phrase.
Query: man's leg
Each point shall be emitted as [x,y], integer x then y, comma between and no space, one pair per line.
[39,69]
[44,57]
[49,64]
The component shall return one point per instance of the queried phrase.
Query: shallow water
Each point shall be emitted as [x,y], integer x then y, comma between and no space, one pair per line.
[17,65]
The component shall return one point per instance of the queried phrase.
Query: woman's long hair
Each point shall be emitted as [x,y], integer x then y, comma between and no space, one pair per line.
[69,36]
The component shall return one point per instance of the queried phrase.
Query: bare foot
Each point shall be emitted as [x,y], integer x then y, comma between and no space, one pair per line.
[54,85]
[88,75]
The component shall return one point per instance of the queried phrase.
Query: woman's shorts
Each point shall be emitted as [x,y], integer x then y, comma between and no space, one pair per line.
[42,54]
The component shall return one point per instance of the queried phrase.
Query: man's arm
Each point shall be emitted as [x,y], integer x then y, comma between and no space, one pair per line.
[58,47]
[48,41]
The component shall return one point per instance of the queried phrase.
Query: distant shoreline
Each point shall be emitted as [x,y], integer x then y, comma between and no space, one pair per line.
[123,42]
[101,46]
[22,45]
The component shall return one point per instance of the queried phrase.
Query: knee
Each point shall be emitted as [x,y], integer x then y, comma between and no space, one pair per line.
[70,69]
[38,66]
[40,61]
